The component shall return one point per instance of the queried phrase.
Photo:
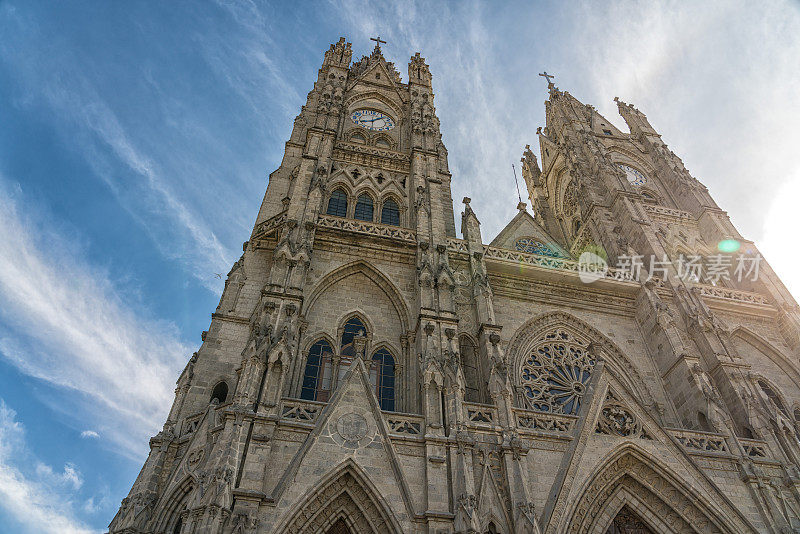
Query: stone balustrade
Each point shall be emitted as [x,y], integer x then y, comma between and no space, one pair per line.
[543,421]
[404,424]
[367,228]
[736,295]
[300,411]
[696,441]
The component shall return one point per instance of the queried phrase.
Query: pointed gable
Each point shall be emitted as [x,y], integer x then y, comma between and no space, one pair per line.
[374,69]
[351,428]
[640,460]
[524,233]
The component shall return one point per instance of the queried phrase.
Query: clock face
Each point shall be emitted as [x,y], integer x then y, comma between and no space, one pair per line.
[372,120]
[634,176]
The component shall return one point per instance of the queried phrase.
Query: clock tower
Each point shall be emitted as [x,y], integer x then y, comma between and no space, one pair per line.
[367,371]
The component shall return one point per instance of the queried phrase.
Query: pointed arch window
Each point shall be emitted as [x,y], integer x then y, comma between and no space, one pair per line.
[318,372]
[353,327]
[382,377]
[364,208]
[390,214]
[337,204]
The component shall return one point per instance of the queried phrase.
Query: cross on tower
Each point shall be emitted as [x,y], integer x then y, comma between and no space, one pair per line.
[377,40]
[547,76]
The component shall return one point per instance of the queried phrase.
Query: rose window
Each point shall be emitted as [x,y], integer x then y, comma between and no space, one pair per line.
[555,374]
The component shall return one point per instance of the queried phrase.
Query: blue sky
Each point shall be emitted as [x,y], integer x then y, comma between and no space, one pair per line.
[137,138]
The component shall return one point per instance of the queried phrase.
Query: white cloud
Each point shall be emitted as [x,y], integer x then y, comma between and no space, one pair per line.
[69,327]
[36,500]
[71,476]
[89,434]
[89,125]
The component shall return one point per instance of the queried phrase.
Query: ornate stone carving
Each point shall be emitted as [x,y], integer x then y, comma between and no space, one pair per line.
[617,420]
[555,373]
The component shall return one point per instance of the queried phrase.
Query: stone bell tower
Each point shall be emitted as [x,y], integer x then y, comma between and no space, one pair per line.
[343,298]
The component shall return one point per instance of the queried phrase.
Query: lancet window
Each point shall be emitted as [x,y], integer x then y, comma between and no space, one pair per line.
[555,372]
[390,213]
[364,208]
[326,368]
[318,373]
[347,350]
[337,204]
[382,377]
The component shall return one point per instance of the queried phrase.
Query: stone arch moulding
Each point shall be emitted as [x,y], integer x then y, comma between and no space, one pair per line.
[769,350]
[345,493]
[389,289]
[620,154]
[172,502]
[628,471]
[360,98]
[312,339]
[615,360]
[358,314]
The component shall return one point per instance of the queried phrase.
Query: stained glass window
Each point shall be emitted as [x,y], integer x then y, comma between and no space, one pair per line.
[347,351]
[318,372]
[534,246]
[382,378]
[364,208]
[337,204]
[555,373]
[390,214]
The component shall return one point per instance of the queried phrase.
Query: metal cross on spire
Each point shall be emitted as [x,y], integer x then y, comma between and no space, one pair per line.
[378,41]
[547,77]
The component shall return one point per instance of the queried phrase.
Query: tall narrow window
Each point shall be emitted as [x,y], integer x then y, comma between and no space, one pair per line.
[352,328]
[364,208]
[382,377]
[337,204]
[390,214]
[469,366]
[319,369]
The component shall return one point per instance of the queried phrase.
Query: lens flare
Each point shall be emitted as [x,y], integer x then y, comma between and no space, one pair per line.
[728,245]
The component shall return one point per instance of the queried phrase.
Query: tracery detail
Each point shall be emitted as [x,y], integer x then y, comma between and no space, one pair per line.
[534,246]
[556,372]
[616,420]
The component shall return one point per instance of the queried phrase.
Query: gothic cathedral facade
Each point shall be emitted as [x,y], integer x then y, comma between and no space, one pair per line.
[368,371]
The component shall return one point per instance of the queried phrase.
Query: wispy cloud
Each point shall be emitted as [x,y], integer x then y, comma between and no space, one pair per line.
[89,434]
[38,500]
[69,327]
[52,75]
